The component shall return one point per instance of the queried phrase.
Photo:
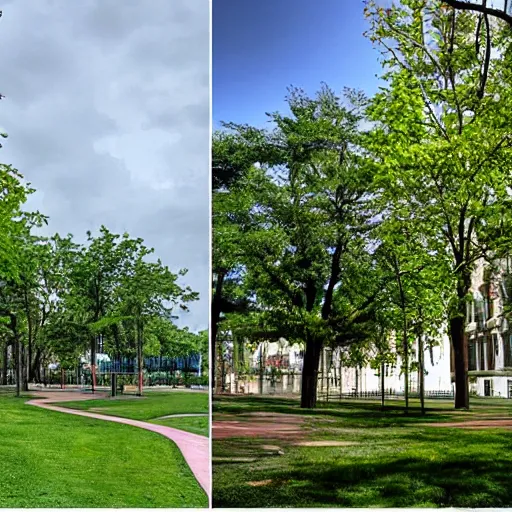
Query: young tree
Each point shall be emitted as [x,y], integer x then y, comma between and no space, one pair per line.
[147,291]
[442,138]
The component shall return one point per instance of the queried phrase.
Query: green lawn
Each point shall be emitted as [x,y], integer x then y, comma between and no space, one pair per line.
[397,461]
[197,425]
[50,459]
[152,406]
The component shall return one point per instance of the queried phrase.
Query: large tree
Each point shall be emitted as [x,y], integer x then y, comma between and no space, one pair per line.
[308,205]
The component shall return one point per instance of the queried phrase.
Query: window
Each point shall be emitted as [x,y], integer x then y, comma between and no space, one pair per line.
[480,313]
[507,342]
[491,351]
[471,355]
[487,387]
[482,346]
[487,291]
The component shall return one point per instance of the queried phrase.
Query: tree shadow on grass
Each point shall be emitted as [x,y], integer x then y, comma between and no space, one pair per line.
[467,482]
[473,471]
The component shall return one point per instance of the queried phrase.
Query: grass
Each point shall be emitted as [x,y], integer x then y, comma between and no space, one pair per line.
[50,459]
[197,425]
[152,406]
[397,461]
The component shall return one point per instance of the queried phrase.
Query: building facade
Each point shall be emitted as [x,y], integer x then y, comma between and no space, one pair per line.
[489,336]
[275,367]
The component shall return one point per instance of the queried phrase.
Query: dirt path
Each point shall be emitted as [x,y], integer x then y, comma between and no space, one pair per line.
[262,425]
[474,424]
[195,448]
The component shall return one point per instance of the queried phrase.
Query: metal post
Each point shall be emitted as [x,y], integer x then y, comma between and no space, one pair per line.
[114,384]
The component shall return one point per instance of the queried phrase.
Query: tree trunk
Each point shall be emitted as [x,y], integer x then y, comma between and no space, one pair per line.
[341,378]
[216,311]
[405,341]
[18,367]
[25,366]
[406,370]
[140,360]
[421,361]
[36,366]
[382,377]
[321,371]
[93,364]
[460,350]
[234,371]
[262,367]
[30,371]
[310,373]
[27,354]
[30,376]
[17,349]
[328,384]
[4,364]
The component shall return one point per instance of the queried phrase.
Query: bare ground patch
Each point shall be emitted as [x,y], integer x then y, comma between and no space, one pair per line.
[325,443]
[474,424]
[261,425]
[260,483]
[270,447]
[234,459]
[271,430]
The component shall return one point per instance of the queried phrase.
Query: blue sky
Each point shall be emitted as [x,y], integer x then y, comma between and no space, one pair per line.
[260,47]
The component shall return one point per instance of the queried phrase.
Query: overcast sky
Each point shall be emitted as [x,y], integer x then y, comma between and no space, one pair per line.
[107,111]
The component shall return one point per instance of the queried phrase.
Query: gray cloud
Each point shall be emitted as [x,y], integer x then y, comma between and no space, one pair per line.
[107,114]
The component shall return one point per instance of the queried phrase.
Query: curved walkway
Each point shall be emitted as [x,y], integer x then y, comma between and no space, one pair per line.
[195,448]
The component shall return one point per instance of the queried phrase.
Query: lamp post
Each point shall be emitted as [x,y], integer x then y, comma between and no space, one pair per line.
[501,9]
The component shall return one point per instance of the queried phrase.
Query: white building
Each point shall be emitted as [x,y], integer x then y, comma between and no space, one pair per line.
[489,336]
[489,341]
[336,377]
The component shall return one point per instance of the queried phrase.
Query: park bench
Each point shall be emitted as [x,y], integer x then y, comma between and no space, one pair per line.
[130,389]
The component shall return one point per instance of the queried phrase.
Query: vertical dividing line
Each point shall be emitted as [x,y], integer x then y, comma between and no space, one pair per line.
[210,238]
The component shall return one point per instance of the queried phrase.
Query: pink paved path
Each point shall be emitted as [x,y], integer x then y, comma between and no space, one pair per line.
[195,448]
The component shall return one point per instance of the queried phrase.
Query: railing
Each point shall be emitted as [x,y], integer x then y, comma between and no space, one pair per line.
[58,378]
[389,394]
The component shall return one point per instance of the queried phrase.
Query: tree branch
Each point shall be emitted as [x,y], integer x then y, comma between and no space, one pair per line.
[470,6]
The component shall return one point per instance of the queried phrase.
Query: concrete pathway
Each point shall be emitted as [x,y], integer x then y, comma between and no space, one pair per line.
[195,448]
